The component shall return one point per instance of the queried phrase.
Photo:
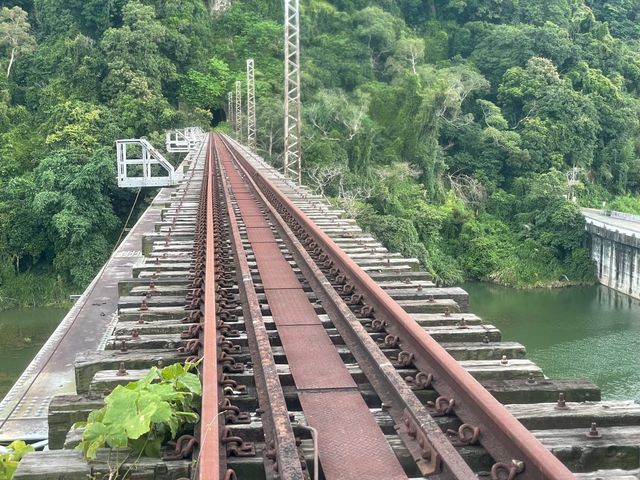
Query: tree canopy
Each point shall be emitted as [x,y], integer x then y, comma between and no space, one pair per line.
[447,126]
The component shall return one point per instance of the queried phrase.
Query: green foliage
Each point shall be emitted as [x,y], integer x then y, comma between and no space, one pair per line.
[14,34]
[207,89]
[445,118]
[626,204]
[9,461]
[397,234]
[34,288]
[144,414]
[100,71]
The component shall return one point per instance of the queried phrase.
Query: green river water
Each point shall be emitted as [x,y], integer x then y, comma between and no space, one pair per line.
[22,333]
[590,332]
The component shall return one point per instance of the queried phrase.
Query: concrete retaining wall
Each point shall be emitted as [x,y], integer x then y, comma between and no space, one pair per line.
[617,257]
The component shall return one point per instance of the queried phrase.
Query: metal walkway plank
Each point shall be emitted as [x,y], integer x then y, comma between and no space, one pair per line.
[350,443]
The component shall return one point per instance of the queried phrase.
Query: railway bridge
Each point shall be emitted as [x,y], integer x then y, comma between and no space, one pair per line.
[321,354]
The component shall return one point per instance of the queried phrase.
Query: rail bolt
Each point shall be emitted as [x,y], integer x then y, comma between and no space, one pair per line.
[593,431]
[122,371]
[562,403]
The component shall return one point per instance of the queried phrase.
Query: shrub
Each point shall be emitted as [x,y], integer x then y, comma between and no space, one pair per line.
[145,413]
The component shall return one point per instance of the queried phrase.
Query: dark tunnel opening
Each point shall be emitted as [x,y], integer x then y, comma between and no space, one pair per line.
[218,115]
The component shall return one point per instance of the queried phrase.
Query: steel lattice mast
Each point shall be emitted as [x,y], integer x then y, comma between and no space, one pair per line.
[292,96]
[230,111]
[239,110]
[251,106]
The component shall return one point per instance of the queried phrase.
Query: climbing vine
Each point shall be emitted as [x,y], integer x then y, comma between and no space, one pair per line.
[10,459]
[144,414]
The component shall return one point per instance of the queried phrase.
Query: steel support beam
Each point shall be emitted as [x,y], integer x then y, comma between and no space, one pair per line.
[251,106]
[292,95]
[231,112]
[239,111]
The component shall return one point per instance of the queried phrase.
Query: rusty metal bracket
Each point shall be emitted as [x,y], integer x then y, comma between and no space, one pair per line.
[427,459]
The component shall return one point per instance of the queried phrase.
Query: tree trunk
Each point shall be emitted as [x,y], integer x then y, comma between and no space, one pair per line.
[13,58]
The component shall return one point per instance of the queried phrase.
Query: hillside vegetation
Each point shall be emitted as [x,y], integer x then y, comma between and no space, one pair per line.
[447,127]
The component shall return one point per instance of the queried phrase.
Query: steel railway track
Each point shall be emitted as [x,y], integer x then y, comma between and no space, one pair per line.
[324,354]
[260,217]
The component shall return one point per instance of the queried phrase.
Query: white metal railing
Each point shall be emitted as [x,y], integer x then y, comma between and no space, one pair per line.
[184,140]
[624,216]
[144,174]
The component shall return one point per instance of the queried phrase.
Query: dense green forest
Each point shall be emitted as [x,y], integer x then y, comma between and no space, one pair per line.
[450,128]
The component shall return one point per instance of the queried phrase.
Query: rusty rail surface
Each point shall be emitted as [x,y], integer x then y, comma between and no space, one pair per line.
[211,460]
[331,402]
[283,455]
[516,451]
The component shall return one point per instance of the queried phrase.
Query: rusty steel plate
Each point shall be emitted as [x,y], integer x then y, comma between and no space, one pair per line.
[273,276]
[252,211]
[267,251]
[313,359]
[255,221]
[273,268]
[248,205]
[260,235]
[350,443]
[291,307]
[244,195]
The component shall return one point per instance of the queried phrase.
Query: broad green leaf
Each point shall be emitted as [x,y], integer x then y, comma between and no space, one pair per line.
[189,417]
[174,424]
[138,425]
[152,376]
[162,413]
[190,382]
[164,391]
[20,449]
[123,411]
[117,437]
[96,416]
[142,413]
[172,372]
[7,469]
[93,438]
[121,399]
[93,431]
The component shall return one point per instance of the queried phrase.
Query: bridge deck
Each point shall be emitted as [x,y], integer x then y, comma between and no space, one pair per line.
[87,326]
[626,226]
[380,319]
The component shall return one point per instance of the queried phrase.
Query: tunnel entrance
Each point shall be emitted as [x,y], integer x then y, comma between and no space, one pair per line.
[218,115]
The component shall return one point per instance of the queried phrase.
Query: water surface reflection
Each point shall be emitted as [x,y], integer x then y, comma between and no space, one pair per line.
[22,334]
[587,332]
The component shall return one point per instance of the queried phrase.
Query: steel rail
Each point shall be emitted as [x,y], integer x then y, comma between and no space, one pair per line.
[212,460]
[279,435]
[399,399]
[515,449]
